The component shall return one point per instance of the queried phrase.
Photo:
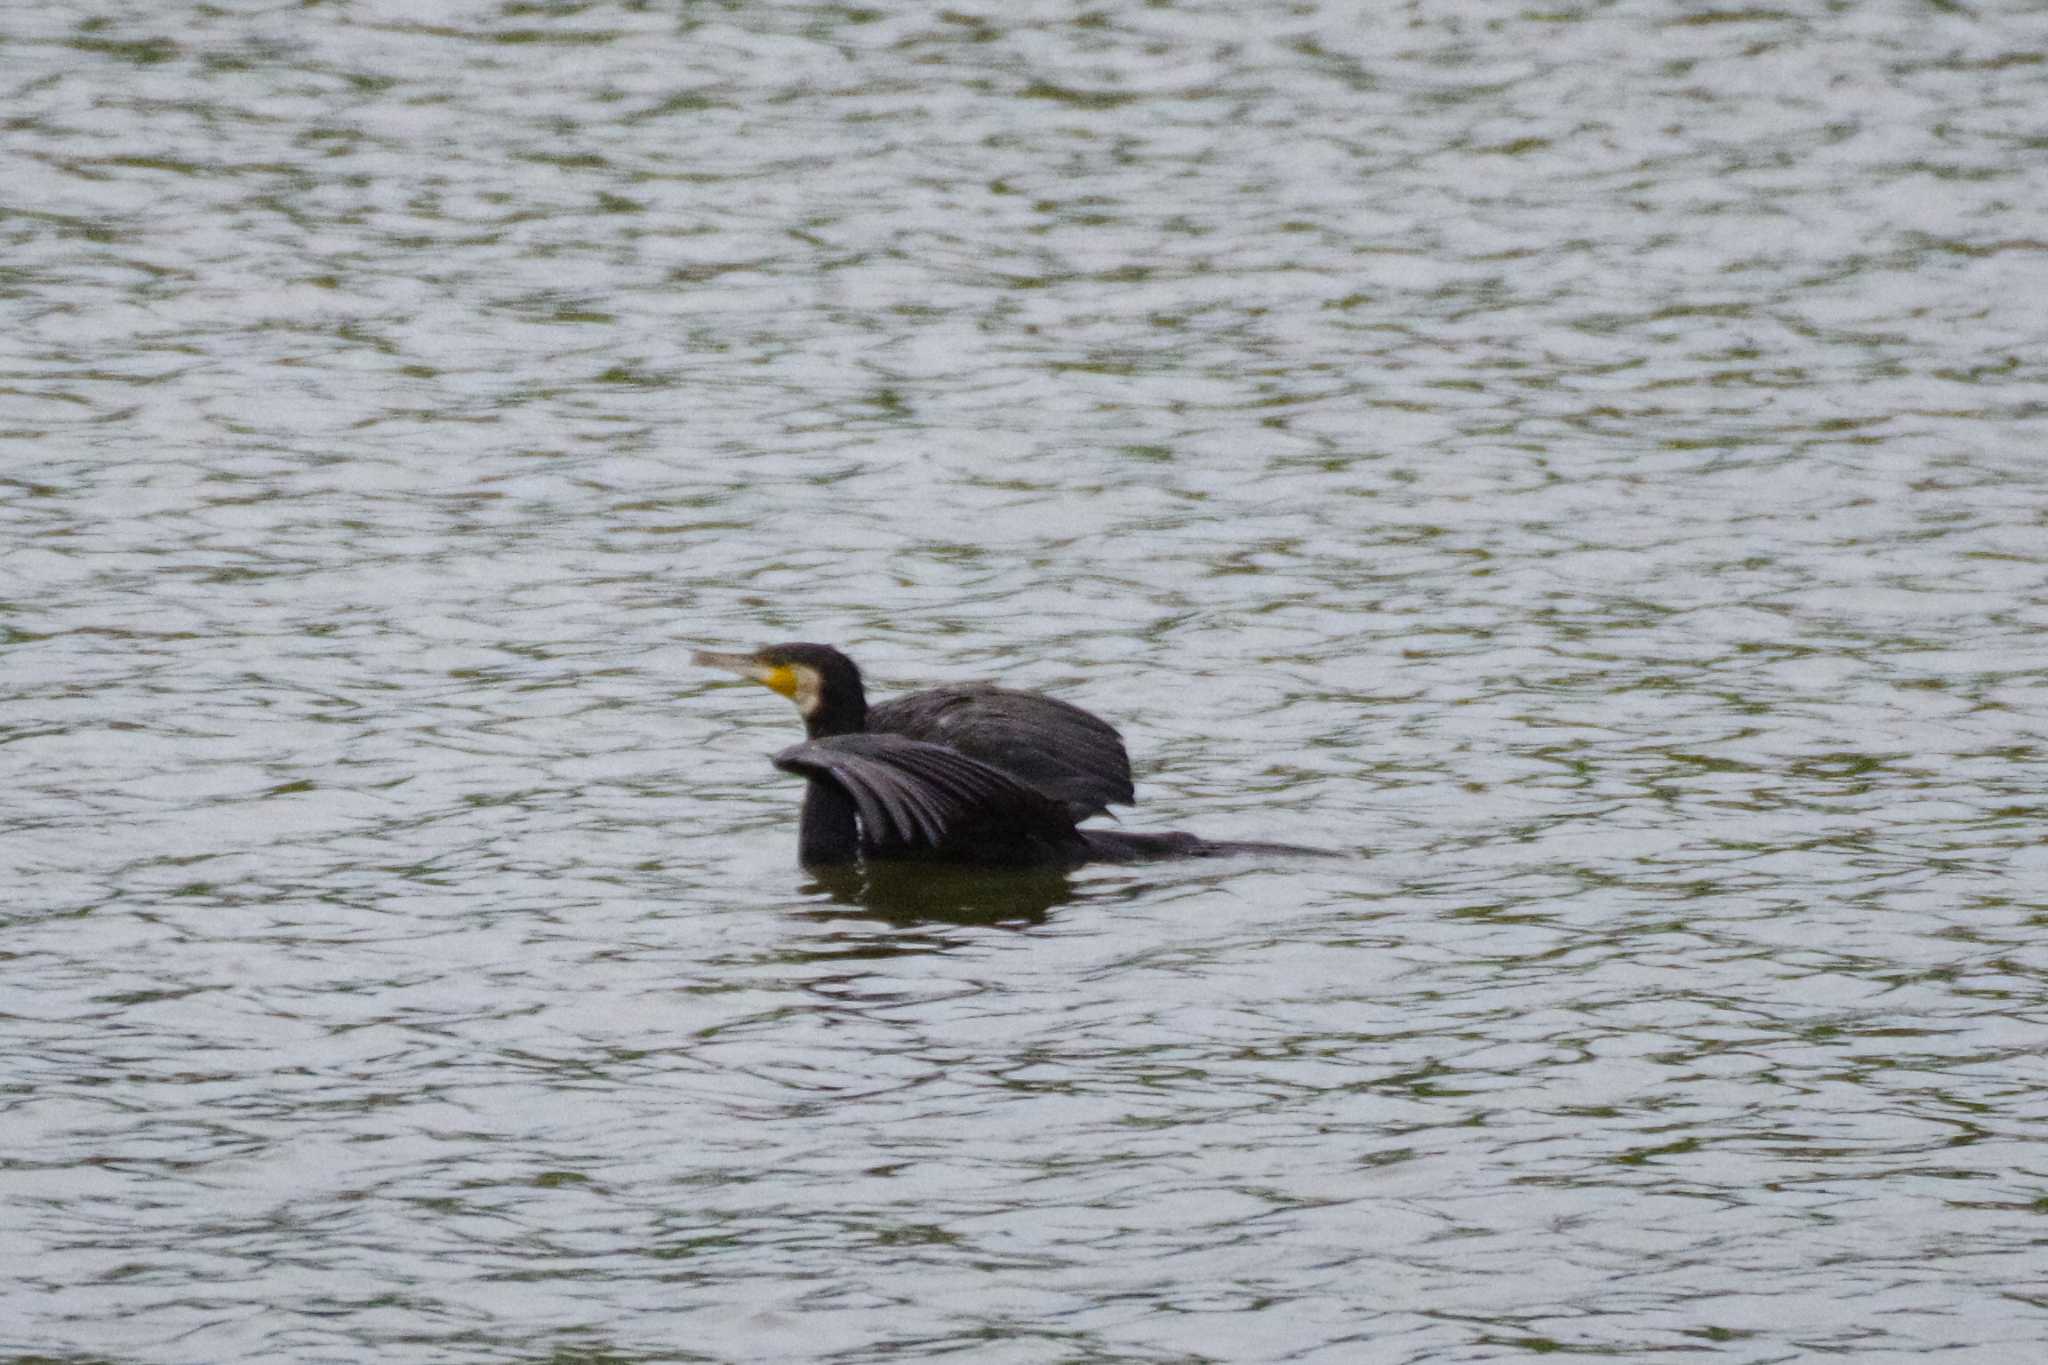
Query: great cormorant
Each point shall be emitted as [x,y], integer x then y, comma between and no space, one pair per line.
[968,773]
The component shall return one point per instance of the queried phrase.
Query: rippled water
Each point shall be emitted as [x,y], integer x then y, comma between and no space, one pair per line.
[1589,462]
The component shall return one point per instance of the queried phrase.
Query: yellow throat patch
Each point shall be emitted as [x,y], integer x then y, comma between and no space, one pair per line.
[780,678]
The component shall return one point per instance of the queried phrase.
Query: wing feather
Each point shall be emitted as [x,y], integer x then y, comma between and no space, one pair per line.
[1069,754]
[912,797]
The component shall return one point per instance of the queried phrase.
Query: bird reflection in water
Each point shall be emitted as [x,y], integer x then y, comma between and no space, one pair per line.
[905,894]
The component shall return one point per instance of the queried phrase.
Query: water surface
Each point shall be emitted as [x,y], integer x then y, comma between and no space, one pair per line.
[1585,463]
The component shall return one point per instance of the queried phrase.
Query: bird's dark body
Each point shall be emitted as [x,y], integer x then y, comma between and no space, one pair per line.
[971,773]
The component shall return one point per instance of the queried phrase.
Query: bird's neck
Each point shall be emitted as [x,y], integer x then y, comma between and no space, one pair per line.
[838,716]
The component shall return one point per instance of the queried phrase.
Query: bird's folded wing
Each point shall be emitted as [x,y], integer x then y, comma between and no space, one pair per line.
[911,795]
[1063,751]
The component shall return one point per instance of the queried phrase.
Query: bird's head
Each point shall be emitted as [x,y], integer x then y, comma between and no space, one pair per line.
[823,683]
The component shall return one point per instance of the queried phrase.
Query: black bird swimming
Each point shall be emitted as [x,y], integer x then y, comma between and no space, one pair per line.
[969,773]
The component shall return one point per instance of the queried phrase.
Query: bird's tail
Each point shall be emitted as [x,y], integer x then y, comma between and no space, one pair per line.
[1124,846]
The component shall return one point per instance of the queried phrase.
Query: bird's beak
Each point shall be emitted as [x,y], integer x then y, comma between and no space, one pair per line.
[775,677]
